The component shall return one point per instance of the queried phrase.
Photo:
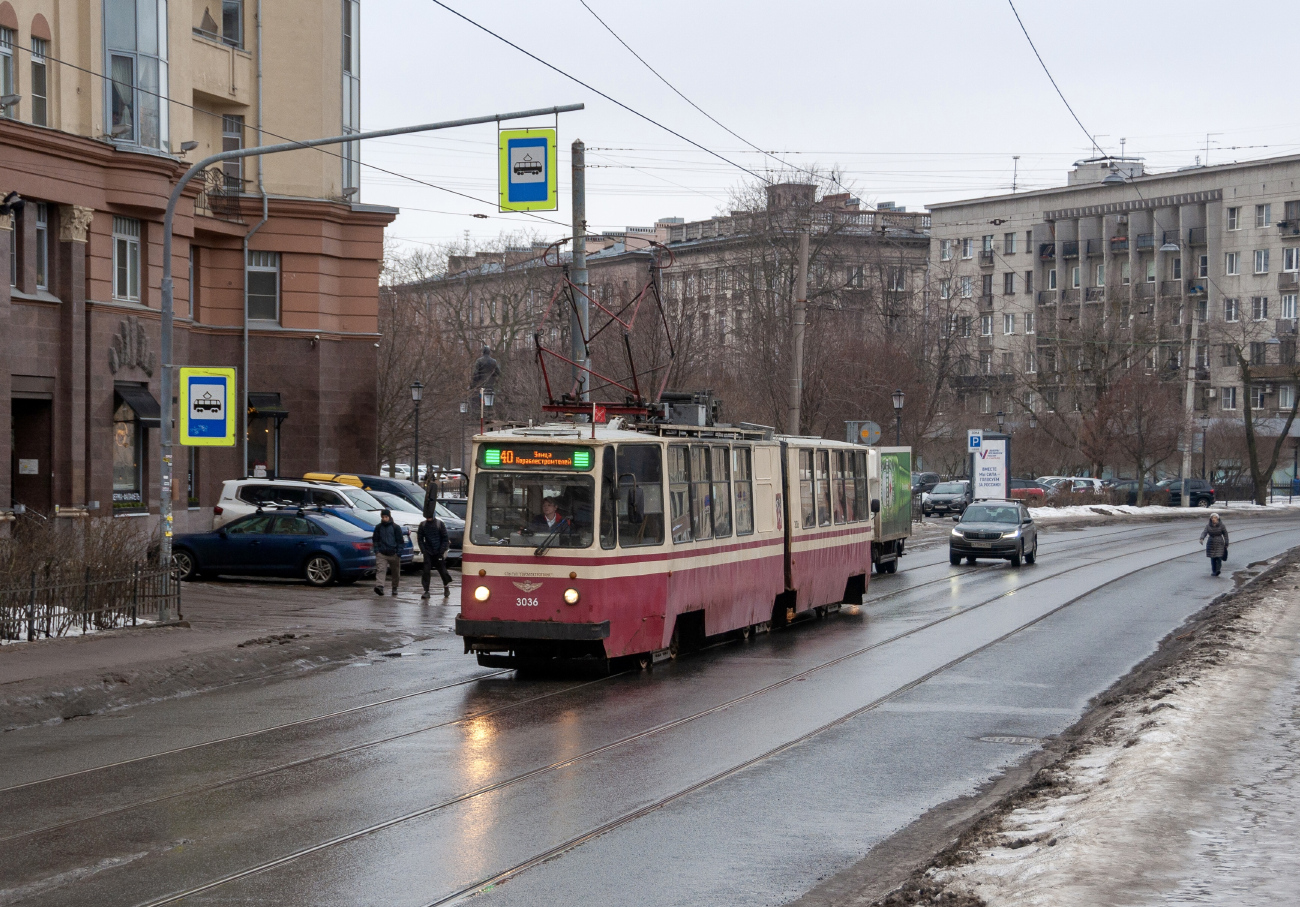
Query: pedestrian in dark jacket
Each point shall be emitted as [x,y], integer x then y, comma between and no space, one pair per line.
[1216,548]
[387,539]
[432,538]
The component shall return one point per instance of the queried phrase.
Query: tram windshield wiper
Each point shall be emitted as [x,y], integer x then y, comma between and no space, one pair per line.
[547,542]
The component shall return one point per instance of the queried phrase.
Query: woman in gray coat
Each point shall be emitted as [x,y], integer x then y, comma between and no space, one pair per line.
[1216,548]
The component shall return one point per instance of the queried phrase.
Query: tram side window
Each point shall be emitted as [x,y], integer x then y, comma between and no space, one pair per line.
[701,511]
[640,495]
[807,509]
[721,497]
[743,480]
[823,488]
[679,492]
[838,500]
[864,513]
[608,499]
[851,512]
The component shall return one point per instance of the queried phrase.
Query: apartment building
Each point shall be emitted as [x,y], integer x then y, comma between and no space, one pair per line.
[1122,259]
[275,260]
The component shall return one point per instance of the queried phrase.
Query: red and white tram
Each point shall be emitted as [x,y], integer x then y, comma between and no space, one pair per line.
[622,542]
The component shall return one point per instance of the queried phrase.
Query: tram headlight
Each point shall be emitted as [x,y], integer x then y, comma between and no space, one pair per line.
[571,596]
[481,594]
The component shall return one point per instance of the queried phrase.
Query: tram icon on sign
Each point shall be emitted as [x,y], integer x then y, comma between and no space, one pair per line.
[207,404]
[526,166]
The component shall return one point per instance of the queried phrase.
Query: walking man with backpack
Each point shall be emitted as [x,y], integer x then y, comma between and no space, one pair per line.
[387,539]
[432,538]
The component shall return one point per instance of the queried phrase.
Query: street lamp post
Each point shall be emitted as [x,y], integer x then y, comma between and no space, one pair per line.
[464,408]
[417,391]
[485,399]
[897,397]
[1002,420]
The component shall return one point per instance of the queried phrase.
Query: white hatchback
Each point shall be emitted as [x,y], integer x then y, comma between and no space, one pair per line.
[240,497]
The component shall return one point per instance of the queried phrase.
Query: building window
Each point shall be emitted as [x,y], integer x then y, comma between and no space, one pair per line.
[1008,363]
[945,288]
[1289,306]
[1234,218]
[232,139]
[1203,310]
[7,36]
[1257,396]
[1175,269]
[986,244]
[1232,264]
[945,250]
[1228,397]
[40,88]
[1009,283]
[853,277]
[1125,277]
[986,285]
[1029,283]
[986,325]
[232,22]
[1291,260]
[897,279]
[1263,215]
[986,362]
[13,251]
[1074,277]
[966,322]
[1029,322]
[1101,275]
[135,38]
[128,485]
[1051,279]
[1009,244]
[1151,270]
[42,246]
[1259,308]
[1009,323]
[1031,362]
[1286,396]
[1230,309]
[986,402]
[1203,266]
[1261,261]
[351,92]
[968,248]
[263,282]
[967,288]
[1258,353]
[126,259]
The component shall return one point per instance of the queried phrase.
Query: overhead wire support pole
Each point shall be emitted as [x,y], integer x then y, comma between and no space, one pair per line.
[581,316]
[798,319]
[165,480]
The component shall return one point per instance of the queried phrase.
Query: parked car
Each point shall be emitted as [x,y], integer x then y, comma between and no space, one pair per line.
[1051,481]
[925,481]
[1125,491]
[458,506]
[994,529]
[1028,490]
[240,497]
[946,497]
[455,525]
[1201,492]
[1078,485]
[403,488]
[319,547]
[369,519]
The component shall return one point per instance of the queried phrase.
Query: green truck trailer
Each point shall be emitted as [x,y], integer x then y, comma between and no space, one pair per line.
[891,484]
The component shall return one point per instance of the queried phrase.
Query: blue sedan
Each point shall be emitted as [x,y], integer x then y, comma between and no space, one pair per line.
[318,547]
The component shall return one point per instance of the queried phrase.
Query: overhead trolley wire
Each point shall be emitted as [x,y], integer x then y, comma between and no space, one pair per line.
[1059,93]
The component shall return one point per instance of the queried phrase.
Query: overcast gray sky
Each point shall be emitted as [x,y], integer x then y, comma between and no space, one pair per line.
[913,102]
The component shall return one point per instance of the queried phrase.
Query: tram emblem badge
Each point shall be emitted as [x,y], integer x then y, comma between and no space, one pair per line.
[527,586]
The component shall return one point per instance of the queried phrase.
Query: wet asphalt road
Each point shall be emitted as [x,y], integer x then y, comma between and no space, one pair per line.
[742,775]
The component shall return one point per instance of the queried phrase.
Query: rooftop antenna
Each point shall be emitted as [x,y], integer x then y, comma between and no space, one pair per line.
[1015,170]
[1121,148]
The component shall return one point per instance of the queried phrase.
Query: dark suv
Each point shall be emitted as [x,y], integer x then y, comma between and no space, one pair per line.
[946,497]
[924,481]
[1201,491]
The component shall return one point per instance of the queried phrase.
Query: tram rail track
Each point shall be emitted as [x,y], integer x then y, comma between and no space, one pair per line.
[540,771]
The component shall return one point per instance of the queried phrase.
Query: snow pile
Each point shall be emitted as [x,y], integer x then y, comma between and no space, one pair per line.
[1162,804]
[1051,514]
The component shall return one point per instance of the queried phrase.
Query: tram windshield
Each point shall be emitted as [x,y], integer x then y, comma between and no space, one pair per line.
[527,510]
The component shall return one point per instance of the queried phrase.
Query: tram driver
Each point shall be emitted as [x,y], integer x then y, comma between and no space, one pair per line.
[549,520]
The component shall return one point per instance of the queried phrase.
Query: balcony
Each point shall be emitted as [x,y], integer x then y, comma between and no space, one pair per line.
[220,196]
[986,303]
[1171,288]
[986,258]
[1196,286]
[1095,247]
[1118,244]
[1146,241]
[1144,290]
[1070,249]
[1046,297]
[1196,236]
[1047,251]
[220,72]
[1070,296]
[1094,294]
[1289,227]
[1284,327]
[1288,280]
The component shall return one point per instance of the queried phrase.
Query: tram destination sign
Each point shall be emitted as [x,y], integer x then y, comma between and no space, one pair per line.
[528,456]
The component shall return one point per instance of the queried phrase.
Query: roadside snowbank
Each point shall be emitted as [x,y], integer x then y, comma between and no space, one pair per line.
[1188,793]
[1051,514]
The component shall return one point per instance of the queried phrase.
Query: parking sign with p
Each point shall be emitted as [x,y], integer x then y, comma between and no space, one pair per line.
[208,407]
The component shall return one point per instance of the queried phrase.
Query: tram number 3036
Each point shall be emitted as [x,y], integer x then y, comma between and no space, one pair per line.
[526,603]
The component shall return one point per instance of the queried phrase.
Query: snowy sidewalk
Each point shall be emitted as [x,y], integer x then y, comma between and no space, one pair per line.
[1189,792]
